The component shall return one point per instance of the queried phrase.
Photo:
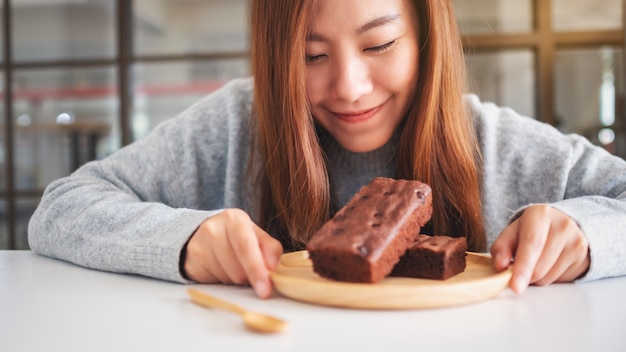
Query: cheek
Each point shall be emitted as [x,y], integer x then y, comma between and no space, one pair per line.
[314,87]
[402,70]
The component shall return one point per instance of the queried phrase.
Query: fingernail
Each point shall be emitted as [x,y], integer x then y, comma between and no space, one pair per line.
[497,260]
[261,288]
[520,284]
[273,262]
[502,261]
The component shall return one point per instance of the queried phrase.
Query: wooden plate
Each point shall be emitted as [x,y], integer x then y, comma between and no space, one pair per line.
[294,278]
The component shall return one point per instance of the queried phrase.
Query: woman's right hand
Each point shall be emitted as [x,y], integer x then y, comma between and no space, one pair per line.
[230,248]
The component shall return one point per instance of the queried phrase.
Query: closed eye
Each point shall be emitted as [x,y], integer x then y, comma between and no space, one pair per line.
[384,47]
[311,59]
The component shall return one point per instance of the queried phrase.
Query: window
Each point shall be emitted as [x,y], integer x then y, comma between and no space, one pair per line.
[559,61]
[87,77]
[80,79]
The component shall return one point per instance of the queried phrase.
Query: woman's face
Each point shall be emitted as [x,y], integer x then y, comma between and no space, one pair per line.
[362,63]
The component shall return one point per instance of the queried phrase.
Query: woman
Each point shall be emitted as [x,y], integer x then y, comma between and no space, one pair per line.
[342,93]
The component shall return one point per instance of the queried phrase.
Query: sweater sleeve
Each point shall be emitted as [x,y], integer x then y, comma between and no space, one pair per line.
[133,211]
[527,162]
[595,197]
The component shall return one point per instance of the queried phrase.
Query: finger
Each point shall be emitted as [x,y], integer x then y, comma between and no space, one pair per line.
[503,248]
[212,254]
[271,249]
[554,272]
[199,259]
[224,259]
[249,255]
[566,251]
[194,271]
[228,263]
[575,271]
[565,269]
[551,260]
[573,262]
[580,249]
[534,225]
[214,265]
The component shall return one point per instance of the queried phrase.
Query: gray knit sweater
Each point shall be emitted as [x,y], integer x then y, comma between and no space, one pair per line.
[133,211]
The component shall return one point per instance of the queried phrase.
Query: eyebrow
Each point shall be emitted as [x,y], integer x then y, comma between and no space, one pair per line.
[381,21]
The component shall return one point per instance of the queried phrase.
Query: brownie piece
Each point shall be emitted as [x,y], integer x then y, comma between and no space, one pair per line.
[365,238]
[433,257]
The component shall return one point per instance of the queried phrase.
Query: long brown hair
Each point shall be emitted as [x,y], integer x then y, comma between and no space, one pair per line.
[437,145]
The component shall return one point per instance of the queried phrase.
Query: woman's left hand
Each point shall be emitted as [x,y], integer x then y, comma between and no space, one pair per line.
[546,245]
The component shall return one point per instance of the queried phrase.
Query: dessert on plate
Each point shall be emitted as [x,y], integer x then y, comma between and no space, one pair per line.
[433,257]
[366,238]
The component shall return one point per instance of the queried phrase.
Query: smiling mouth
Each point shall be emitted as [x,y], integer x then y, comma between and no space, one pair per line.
[360,116]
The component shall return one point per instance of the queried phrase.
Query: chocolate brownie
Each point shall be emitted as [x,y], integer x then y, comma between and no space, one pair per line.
[433,257]
[365,238]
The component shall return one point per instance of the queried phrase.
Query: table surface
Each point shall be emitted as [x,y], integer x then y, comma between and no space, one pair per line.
[47,304]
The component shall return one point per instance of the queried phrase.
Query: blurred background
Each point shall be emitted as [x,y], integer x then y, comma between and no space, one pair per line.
[82,78]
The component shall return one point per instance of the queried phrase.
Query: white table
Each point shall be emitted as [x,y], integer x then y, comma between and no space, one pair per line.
[50,305]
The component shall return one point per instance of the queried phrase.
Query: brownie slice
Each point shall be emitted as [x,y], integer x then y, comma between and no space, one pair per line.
[365,238]
[433,257]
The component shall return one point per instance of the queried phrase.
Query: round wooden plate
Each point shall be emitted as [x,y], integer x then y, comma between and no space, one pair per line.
[294,278]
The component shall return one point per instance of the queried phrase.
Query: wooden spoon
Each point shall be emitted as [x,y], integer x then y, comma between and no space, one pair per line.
[254,321]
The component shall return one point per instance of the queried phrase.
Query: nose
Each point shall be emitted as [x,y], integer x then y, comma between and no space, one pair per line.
[352,80]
